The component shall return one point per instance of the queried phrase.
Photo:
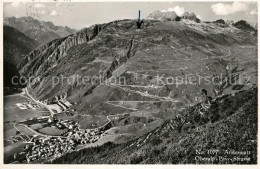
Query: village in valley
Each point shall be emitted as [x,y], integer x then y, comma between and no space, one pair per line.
[52,137]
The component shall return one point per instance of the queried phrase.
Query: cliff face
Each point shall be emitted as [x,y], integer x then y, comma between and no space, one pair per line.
[47,56]
[40,31]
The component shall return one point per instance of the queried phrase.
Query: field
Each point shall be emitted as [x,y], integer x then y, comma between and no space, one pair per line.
[36,126]
[24,130]
[9,131]
[85,121]
[7,143]
[51,131]
[13,115]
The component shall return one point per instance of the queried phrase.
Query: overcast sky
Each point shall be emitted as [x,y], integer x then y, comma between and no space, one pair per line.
[82,14]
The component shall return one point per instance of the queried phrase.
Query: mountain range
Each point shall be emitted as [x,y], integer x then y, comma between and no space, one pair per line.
[40,31]
[168,118]
[23,35]
[161,15]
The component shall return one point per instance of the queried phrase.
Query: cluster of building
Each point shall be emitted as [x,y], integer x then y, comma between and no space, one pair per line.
[31,104]
[65,124]
[48,147]
[60,106]
[56,146]
[84,136]
[28,104]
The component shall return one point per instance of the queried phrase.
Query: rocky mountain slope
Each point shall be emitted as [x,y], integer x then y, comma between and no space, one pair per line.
[181,42]
[243,25]
[190,16]
[158,15]
[150,73]
[40,31]
[16,46]
[171,16]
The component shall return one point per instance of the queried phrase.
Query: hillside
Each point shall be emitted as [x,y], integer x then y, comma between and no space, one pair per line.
[230,124]
[136,58]
[243,25]
[40,31]
[16,46]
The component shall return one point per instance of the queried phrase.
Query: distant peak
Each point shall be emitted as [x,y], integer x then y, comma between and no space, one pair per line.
[244,25]
[27,17]
[162,15]
[46,30]
[190,16]
[171,15]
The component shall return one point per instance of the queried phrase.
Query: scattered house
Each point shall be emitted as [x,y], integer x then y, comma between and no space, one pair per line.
[71,126]
[51,119]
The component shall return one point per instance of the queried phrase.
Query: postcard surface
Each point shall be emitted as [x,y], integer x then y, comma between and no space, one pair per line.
[130,83]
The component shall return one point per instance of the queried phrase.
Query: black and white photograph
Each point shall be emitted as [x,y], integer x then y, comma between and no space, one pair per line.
[137,83]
